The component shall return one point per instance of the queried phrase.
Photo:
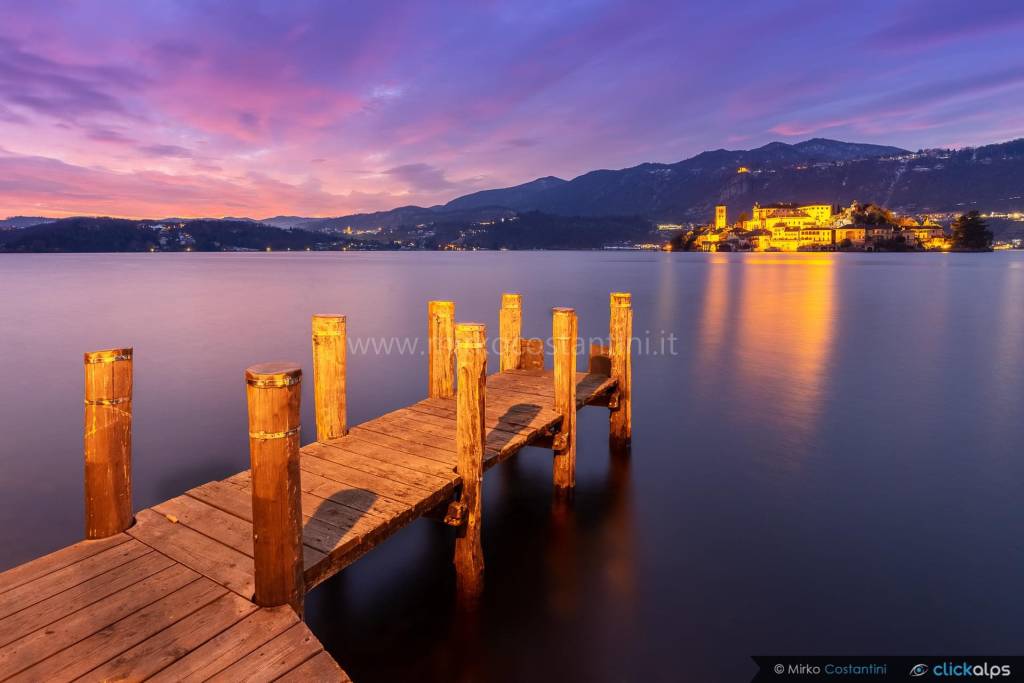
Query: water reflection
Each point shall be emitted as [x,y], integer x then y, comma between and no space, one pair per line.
[766,337]
[786,328]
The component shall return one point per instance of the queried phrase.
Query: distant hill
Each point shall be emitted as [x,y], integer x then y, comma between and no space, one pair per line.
[287,221]
[18,222]
[519,195]
[407,216]
[119,235]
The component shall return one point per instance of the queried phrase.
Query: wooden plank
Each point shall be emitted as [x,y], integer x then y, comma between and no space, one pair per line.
[386,488]
[377,462]
[600,390]
[346,502]
[47,564]
[356,443]
[495,422]
[439,454]
[587,385]
[399,431]
[30,593]
[499,413]
[101,646]
[509,394]
[497,442]
[225,528]
[165,647]
[81,596]
[316,533]
[41,643]
[419,431]
[212,559]
[275,658]
[352,533]
[230,646]
[321,668]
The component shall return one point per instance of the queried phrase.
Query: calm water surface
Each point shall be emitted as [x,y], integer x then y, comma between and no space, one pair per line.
[831,464]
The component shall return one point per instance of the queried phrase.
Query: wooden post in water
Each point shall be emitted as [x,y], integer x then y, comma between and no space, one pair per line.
[564,332]
[329,375]
[532,354]
[471,358]
[621,405]
[441,347]
[273,391]
[510,330]
[108,442]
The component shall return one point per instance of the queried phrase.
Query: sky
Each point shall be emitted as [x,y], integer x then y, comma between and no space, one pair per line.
[155,108]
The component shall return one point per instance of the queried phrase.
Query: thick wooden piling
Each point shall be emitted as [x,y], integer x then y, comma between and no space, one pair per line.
[510,331]
[441,349]
[621,405]
[564,333]
[107,442]
[273,391]
[329,357]
[600,361]
[471,359]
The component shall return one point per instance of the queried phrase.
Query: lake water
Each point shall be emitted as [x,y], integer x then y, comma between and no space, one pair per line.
[832,463]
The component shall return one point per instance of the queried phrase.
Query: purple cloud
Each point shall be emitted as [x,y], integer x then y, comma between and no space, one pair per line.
[427,98]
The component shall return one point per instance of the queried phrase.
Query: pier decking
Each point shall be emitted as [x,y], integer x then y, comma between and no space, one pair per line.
[177,596]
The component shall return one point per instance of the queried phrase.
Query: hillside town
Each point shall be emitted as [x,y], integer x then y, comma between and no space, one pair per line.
[816,227]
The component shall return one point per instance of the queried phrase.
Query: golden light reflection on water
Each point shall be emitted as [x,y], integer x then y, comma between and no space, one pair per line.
[713,323]
[767,335]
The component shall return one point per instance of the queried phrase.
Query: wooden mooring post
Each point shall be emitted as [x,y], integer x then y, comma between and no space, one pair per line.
[274,391]
[441,349]
[620,330]
[532,354]
[510,331]
[329,357]
[107,442]
[564,333]
[471,359]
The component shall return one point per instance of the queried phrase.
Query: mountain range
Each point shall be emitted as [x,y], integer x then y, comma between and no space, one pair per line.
[819,170]
[988,178]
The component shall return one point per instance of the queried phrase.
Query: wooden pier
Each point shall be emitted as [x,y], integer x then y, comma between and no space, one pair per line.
[210,585]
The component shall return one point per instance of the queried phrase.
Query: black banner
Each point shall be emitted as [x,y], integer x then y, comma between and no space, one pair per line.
[920,669]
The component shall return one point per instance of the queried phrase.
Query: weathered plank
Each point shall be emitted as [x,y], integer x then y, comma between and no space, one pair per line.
[377,460]
[400,456]
[320,668]
[379,485]
[46,586]
[228,647]
[41,643]
[232,531]
[81,596]
[171,644]
[440,454]
[87,654]
[277,657]
[226,566]
[501,412]
[14,577]
[339,503]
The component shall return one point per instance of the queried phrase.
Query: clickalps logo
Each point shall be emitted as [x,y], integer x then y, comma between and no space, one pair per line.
[962,670]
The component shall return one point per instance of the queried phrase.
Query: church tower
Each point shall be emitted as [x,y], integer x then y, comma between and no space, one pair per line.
[720,219]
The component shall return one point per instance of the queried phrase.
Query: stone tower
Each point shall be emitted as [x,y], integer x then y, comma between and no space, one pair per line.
[720,219]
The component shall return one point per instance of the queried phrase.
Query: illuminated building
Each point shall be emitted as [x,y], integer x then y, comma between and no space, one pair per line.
[720,219]
[812,227]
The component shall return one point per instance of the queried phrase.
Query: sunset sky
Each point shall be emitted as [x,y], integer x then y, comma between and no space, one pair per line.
[159,108]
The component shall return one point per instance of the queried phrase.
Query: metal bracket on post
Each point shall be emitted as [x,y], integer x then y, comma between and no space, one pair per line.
[456,514]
